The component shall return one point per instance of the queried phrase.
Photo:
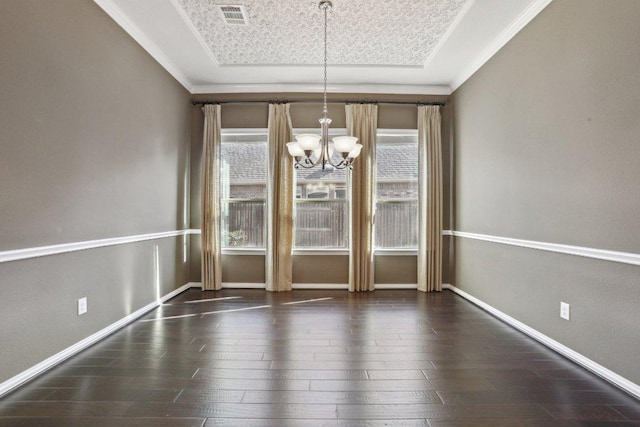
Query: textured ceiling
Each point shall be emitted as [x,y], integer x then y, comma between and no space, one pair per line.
[360,32]
[375,46]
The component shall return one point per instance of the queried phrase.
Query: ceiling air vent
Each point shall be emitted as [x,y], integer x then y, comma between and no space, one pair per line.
[233,14]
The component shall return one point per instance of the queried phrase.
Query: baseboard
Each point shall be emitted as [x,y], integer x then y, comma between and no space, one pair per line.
[239,285]
[320,286]
[590,365]
[23,377]
[381,286]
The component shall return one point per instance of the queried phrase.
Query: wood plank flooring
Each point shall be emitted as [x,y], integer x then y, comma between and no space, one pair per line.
[318,358]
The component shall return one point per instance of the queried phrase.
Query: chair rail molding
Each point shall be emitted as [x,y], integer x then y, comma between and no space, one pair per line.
[26,253]
[602,254]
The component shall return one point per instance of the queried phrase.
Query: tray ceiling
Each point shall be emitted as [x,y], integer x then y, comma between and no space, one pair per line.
[392,46]
[360,32]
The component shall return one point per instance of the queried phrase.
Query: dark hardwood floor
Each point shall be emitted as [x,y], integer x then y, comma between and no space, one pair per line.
[252,358]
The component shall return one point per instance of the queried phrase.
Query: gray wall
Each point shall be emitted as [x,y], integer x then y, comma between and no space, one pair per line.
[332,269]
[546,149]
[94,143]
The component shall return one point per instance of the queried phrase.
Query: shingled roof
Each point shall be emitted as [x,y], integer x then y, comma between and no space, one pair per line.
[247,165]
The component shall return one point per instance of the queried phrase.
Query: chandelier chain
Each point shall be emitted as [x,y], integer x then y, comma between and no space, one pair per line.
[326,9]
[309,147]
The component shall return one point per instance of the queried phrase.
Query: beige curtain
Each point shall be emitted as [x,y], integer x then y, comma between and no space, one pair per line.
[280,223]
[429,199]
[210,203]
[362,122]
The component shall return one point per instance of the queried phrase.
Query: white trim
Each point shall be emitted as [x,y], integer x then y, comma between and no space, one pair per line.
[143,40]
[61,356]
[240,285]
[395,252]
[572,355]
[395,286]
[319,286]
[521,21]
[328,286]
[20,254]
[622,257]
[447,233]
[452,27]
[313,88]
[321,252]
[243,251]
[194,31]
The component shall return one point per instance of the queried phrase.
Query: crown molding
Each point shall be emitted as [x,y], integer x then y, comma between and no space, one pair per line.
[194,31]
[504,37]
[448,33]
[317,88]
[143,40]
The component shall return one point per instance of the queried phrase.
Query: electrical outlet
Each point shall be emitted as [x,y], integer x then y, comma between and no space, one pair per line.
[82,306]
[564,310]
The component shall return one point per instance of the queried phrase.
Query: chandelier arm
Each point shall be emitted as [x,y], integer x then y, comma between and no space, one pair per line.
[300,165]
[307,163]
[342,164]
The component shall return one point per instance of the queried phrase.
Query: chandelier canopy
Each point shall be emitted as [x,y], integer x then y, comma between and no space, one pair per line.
[311,150]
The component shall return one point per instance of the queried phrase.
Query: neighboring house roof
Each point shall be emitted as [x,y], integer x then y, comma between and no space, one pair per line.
[247,165]
[246,162]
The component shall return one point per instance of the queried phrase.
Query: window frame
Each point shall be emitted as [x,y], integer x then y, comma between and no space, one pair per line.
[235,250]
[393,251]
[346,200]
[297,251]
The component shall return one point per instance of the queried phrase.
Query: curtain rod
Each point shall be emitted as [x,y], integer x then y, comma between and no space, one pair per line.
[309,101]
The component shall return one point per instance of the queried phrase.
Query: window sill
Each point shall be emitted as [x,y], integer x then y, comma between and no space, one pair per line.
[396,252]
[243,251]
[320,251]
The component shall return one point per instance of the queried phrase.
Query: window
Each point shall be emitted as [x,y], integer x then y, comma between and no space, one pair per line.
[321,209]
[244,188]
[396,218]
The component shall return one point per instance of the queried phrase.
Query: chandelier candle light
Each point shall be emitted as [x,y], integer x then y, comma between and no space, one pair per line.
[309,146]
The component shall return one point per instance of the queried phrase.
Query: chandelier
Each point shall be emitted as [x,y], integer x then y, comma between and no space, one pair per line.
[311,150]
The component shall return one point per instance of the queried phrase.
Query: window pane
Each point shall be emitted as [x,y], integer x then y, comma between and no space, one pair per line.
[243,224]
[321,224]
[397,224]
[321,208]
[317,183]
[244,166]
[244,188]
[396,218]
[397,167]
